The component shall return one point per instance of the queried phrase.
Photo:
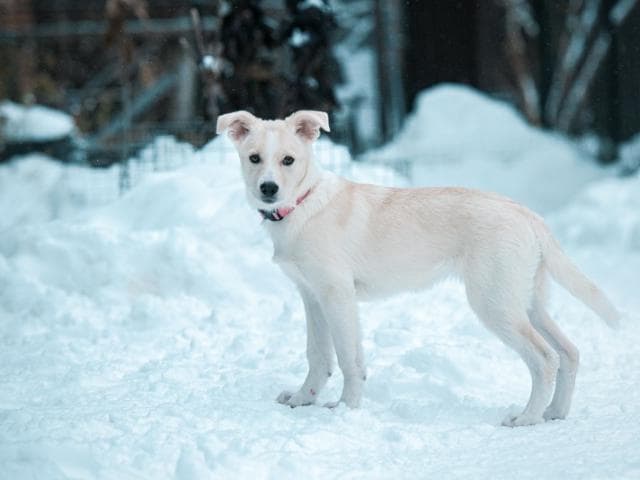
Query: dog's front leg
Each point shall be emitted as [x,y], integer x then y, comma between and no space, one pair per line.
[319,356]
[341,313]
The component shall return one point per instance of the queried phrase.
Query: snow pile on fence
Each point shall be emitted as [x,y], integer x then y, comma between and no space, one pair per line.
[459,136]
[147,335]
[36,123]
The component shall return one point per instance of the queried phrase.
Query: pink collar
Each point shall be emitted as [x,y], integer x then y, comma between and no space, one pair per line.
[280,213]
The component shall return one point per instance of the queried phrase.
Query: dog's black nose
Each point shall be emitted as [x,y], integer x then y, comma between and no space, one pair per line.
[269,189]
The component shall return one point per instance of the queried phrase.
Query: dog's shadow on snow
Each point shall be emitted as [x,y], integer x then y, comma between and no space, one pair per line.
[423,387]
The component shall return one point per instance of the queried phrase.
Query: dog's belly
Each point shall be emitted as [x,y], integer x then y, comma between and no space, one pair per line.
[385,282]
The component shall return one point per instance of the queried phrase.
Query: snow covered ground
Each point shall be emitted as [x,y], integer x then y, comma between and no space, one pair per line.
[147,335]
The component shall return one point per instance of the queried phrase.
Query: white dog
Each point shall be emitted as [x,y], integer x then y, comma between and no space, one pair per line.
[341,241]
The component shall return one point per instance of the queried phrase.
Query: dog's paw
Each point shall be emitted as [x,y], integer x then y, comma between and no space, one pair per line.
[521,420]
[284,397]
[349,403]
[295,399]
[552,413]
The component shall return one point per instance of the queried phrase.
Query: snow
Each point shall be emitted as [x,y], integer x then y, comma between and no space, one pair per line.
[211,63]
[299,38]
[147,335]
[313,4]
[33,123]
[630,153]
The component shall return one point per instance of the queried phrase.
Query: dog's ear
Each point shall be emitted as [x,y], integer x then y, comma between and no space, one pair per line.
[307,123]
[238,123]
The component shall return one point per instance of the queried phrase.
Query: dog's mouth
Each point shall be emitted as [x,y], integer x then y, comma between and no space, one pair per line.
[276,214]
[272,209]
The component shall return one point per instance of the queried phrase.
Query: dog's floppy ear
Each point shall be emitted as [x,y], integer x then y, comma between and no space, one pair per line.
[238,123]
[307,123]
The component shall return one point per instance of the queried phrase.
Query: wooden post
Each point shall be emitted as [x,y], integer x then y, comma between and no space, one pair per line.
[16,15]
[613,123]
[389,38]
[184,99]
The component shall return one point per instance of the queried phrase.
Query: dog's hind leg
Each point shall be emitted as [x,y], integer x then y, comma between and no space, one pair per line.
[514,329]
[319,355]
[568,353]
[542,362]
[508,319]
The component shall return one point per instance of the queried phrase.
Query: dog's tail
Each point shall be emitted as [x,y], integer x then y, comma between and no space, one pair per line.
[563,270]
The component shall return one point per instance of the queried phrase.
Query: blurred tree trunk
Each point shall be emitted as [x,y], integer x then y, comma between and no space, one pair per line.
[117,11]
[390,65]
[589,28]
[520,24]
[269,61]
[184,101]
[586,43]
[18,15]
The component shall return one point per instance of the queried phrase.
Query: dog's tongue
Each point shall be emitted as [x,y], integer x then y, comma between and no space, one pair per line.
[283,211]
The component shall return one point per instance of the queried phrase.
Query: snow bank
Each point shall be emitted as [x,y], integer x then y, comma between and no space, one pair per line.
[605,214]
[459,136]
[630,153]
[33,123]
[147,336]
[34,189]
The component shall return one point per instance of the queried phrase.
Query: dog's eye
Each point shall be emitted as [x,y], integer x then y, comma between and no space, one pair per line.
[288,160]
[255,158]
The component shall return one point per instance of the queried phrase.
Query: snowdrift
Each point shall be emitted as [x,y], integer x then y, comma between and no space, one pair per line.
[34,123]
[147,336]
[459,136]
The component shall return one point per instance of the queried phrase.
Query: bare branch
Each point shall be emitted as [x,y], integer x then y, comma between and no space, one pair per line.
[579,27]
[621,10]
[519,21]
[197,33]
[578,91]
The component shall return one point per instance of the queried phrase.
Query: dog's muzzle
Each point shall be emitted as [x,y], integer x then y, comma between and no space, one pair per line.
[278,214]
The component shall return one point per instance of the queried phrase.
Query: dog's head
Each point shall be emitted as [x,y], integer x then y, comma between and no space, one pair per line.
[276,155]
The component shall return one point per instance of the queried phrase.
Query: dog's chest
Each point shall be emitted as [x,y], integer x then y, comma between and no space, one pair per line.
[290,269]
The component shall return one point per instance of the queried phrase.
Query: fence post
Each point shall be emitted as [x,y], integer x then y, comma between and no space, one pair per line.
[390,43]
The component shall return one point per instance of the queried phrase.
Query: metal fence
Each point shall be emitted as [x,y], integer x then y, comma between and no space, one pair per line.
[166,153]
